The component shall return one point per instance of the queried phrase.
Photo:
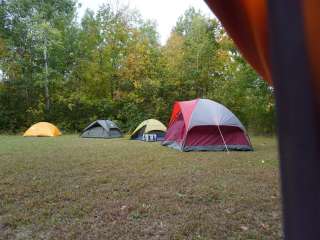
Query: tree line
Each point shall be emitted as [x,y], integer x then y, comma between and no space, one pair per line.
[111,65]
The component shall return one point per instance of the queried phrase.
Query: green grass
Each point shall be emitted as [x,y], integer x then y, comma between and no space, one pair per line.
[73,188]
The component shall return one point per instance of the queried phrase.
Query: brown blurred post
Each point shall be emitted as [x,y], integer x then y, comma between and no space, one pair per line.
[298,120]
[279,39]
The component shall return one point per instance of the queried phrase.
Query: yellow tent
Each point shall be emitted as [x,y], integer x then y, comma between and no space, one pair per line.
[42,129]
[150,126]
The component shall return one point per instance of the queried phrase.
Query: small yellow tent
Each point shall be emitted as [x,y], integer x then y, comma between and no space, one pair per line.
[150,126]
[42,129]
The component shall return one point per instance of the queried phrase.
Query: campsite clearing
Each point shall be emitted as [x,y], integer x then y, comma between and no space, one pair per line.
[76,188]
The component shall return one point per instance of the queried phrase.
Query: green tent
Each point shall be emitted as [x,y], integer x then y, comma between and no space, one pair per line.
[102,129]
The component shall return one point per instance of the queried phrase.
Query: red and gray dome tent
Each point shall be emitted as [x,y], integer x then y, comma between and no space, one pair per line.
[205,125]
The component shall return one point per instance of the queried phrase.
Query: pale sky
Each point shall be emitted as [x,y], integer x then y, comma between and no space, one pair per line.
[164,12]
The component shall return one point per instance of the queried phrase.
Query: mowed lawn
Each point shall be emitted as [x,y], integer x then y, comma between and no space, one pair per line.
[73,188]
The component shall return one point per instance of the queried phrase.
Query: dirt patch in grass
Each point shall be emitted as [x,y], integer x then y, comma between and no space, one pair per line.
[73,188]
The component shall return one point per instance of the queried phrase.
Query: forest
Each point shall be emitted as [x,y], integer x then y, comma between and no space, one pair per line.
[110,64]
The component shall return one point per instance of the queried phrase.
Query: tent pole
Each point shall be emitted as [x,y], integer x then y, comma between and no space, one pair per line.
[224,142]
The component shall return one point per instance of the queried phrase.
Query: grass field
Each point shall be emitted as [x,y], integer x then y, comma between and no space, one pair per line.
[73,188]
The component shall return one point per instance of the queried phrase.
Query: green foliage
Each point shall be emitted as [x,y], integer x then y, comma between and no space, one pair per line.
[111,65]
[75,111]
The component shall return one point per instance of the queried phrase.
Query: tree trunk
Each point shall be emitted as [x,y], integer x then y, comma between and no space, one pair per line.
[46,82]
